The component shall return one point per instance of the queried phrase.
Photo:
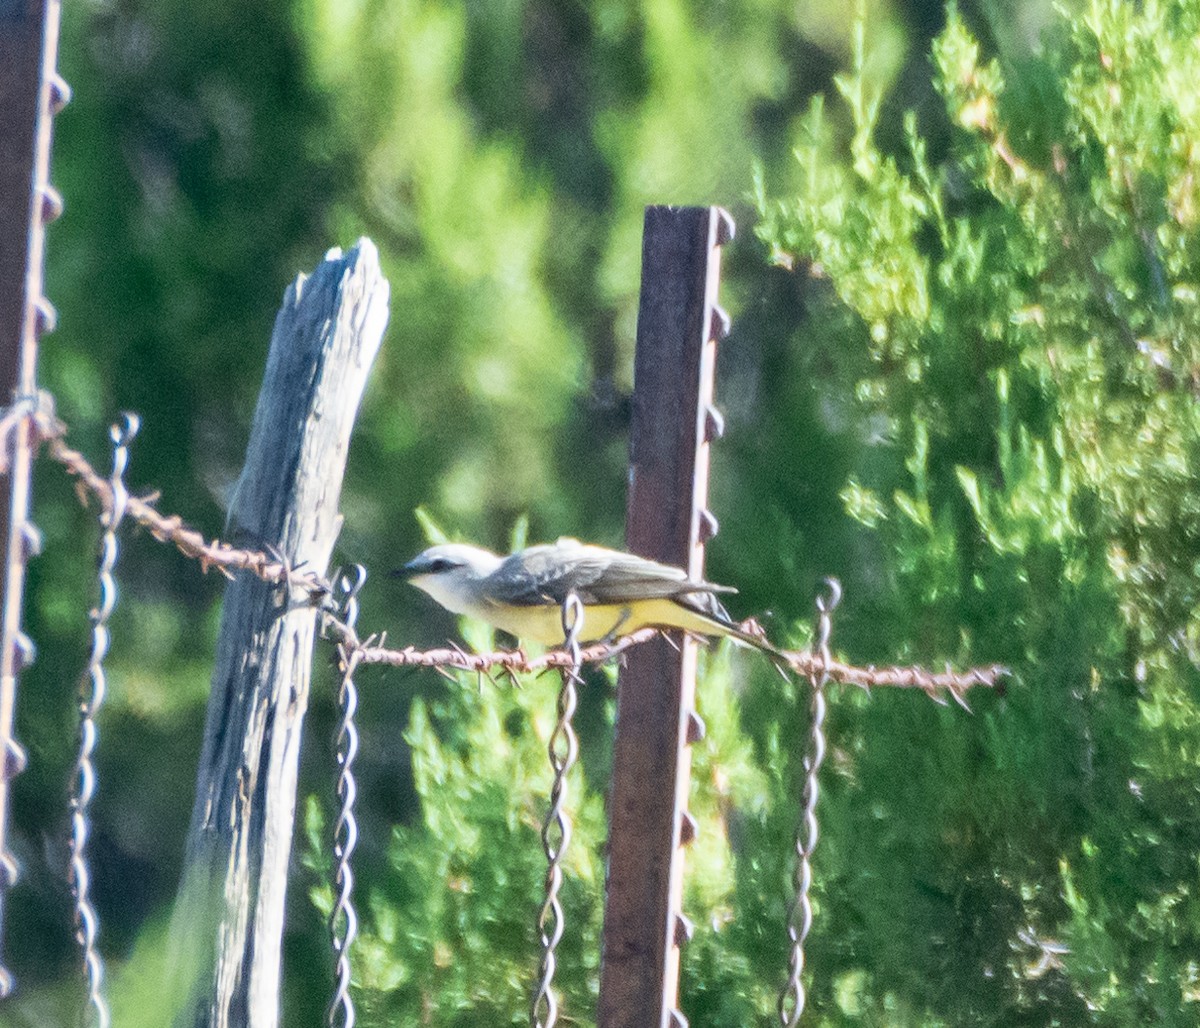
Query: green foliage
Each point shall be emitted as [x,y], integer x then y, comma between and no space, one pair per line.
[1026,298]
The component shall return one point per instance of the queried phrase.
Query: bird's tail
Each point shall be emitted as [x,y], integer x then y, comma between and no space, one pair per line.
[756,637]
[716,621]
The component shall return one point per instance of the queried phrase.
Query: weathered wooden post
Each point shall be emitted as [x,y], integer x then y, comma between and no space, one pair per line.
[228,924]
[679,323]
[31,91]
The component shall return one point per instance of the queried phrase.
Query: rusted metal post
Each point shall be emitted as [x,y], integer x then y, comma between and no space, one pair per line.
[679,323]
[31,92]
[227,929]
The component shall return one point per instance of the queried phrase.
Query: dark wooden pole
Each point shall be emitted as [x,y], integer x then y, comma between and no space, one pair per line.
[668,520]
[30,93]
[228,925]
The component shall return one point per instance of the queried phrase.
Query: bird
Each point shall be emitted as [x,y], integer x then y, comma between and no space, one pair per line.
[523,593]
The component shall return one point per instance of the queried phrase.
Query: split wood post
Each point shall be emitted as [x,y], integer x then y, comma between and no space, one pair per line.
[31,92]
[679,323]
[228,924]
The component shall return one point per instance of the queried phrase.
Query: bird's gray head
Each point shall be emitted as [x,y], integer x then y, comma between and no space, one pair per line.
[451,573]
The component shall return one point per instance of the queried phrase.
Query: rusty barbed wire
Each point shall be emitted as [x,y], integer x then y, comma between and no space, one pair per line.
[87,921]
[556,831]
[343,920]
[791,999]
[168,528]
[933,683]
[215,553]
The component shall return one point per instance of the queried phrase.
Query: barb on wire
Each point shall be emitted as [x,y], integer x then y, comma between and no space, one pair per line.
[792,997]
[343,920]
[25,407]
[87,922]
[556,831]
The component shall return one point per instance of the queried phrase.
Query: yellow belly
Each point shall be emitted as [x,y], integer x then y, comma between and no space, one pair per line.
[543,623]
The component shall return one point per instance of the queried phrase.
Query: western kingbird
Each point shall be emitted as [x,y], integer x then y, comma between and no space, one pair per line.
[523,593]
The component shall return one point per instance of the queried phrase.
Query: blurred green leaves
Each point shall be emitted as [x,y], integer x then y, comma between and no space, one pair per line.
[1027,294]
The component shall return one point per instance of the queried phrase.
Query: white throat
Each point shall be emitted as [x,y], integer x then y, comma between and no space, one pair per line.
[456,590]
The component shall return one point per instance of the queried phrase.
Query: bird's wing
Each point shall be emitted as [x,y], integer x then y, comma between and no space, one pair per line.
[548,573]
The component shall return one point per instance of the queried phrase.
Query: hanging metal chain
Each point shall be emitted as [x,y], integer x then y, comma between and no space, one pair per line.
[556,831]
[87,922]
[343,921]
[800,916]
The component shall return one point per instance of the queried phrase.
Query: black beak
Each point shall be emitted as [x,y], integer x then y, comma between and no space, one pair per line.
[410,570]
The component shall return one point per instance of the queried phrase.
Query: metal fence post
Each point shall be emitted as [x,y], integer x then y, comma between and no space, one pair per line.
[31,92]
[679,323]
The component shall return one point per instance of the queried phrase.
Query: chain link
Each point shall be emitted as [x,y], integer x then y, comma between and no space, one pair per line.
[800,916]
[556,832]
[87,922]
[343,921]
